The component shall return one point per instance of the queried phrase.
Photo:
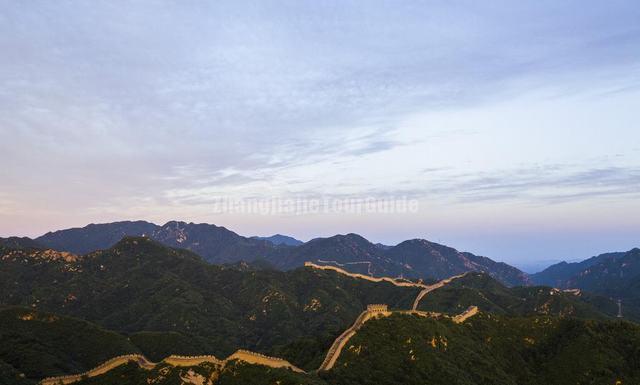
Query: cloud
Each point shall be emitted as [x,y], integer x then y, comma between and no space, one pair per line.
[106,106]
[541,185]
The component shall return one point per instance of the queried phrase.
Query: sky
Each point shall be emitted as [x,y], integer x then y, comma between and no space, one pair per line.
[513,126]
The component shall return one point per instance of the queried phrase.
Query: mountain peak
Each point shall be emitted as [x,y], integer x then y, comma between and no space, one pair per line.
[280,239]
[417,258]
[19,243]
[351,237]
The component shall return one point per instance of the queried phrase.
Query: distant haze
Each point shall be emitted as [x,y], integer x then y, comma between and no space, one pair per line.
[513,125]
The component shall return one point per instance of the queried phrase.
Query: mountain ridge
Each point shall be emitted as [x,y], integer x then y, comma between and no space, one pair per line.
[613,275]
[219,245]
[279,239]
[555,274]
[170,301]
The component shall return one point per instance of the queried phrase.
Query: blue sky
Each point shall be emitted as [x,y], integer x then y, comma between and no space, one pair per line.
[514,124]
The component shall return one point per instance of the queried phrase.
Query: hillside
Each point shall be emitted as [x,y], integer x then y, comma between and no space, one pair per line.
[614,275]
[617,278]
[491,296]
[19,243]
[143,297]
[406,349]
[94,236]
[140,286]
[237,373]
[216,244]
[38,344]
[279,239]
[343,250]
[414,258]
[558,274]
[489,349]
[427,259]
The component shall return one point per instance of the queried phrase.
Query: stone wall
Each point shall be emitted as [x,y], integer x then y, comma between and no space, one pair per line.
[174,360]
[470,312]
[373,311]
[366,277]
[430,288]
[261,359]
[98,370]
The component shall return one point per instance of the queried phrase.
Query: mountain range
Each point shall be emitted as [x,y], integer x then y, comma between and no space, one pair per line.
[615,275]
[417,258]
[63,313]
[169,301]
[414,259]
[557,275]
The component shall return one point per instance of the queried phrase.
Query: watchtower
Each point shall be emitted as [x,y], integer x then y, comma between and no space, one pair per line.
[377,308]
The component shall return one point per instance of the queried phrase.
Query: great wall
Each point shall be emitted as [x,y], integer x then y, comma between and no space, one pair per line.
[100,369]
[174,360]
[392,281]
[431,288]
[380,311]
[372,312]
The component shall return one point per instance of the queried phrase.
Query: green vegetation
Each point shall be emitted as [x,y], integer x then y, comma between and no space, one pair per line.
[405,349]
[491,296]
[613,275]
[234,373]
[141,286]
[416,258]
[158,345]
[61,315]
[491,350]
[39,344]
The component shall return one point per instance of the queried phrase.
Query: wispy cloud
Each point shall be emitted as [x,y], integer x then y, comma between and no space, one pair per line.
[539,185]
[106,107]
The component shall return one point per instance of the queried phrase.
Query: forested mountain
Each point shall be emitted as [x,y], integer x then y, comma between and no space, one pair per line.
[64,313]
[141,286]
[415,258]
[614,275]
[490,349]
[410,350]
[40,344]
[19,243]
[439,261]
[490,295]
[279,239]
[557,275]
[94,236]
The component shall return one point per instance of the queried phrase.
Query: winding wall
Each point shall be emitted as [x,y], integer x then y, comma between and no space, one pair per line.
[173,360]
[366,277]
[100,369]
[373,311]
[431,288]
